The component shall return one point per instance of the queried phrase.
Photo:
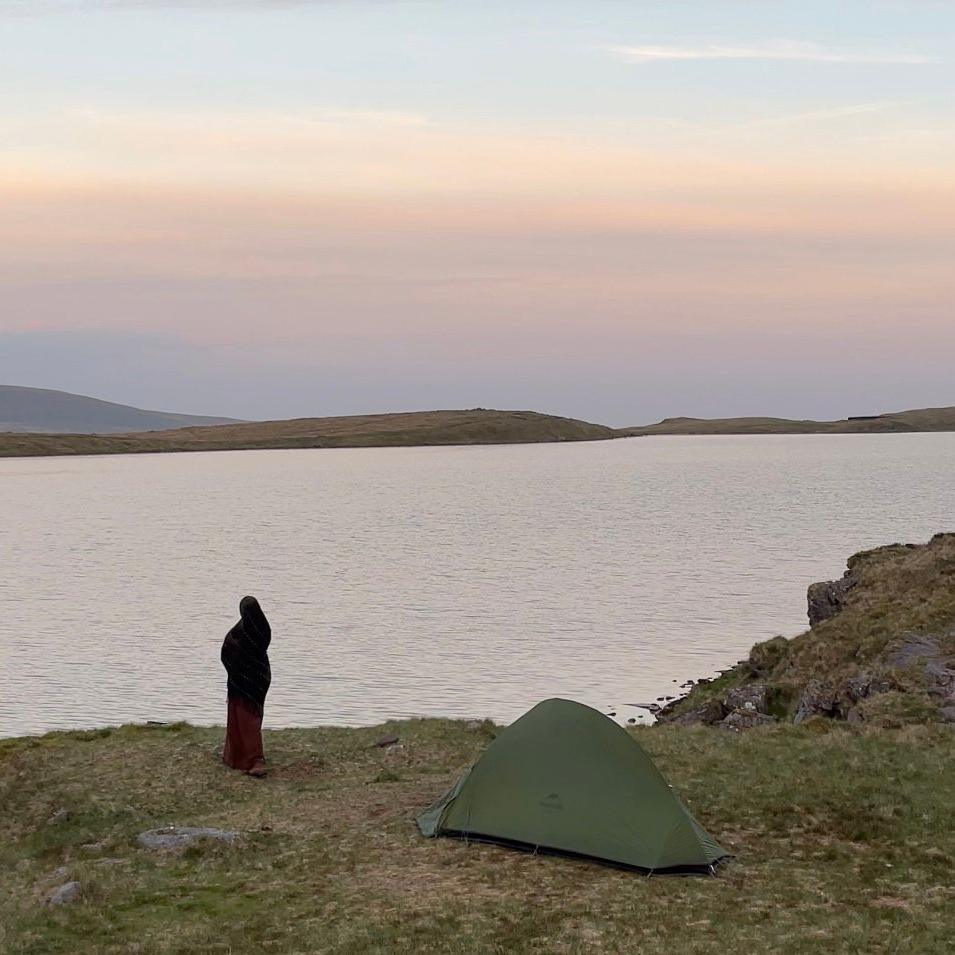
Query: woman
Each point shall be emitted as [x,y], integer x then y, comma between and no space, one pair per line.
[246,660]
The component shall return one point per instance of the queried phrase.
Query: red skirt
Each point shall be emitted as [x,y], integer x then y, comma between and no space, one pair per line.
[243,735]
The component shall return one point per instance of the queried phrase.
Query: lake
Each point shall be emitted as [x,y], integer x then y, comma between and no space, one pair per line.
[461,581]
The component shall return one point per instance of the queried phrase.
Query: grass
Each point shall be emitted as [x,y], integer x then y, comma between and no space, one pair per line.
[843,842]
[476,426]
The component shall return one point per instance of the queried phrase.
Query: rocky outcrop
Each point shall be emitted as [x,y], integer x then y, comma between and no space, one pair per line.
[742,708]
[880,649]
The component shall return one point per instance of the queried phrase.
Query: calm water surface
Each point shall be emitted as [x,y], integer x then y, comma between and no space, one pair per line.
[466,582]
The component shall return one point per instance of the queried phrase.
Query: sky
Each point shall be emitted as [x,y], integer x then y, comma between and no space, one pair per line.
[609,209]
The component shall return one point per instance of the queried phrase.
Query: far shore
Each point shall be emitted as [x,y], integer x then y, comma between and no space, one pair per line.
[477,426]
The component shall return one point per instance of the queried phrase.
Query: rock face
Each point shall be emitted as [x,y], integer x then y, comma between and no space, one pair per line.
[828,597]
[175,837]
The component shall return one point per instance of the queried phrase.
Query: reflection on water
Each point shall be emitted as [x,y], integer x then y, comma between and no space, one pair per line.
[467,582]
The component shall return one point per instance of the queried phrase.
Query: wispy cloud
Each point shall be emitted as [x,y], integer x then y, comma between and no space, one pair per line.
[835,112]
[774,50]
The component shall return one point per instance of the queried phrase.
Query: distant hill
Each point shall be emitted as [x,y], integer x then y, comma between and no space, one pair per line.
[922,419]
[477,426]
[39,410]
[40,422]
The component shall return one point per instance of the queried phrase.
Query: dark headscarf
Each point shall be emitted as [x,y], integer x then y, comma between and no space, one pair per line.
[245,654]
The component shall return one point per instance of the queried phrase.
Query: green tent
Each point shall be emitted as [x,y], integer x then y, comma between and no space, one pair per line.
[566,778]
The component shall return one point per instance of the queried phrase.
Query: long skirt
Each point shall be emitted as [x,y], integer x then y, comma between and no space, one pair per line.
[243,735]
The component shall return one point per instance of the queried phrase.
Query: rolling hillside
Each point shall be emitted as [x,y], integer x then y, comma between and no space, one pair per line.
[40,410]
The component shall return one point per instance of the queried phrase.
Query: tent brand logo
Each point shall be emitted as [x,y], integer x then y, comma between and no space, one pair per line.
[552,801]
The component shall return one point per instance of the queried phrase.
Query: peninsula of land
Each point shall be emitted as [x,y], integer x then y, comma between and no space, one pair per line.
[476,426]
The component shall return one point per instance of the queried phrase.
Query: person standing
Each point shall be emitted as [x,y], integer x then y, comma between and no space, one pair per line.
[246,661]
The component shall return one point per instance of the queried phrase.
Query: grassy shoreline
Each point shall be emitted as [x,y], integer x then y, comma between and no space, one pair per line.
[842,838]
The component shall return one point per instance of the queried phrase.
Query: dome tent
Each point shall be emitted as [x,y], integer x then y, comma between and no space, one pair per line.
[566,778]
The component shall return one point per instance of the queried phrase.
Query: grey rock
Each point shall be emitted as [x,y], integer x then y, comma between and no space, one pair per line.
[816,699]
[65,894]
[915,649]
[753,697]
[387,741]
[175,837]
[828,597]
[473,725]
[859,687]
[745,720]
[59,817]
[926,655]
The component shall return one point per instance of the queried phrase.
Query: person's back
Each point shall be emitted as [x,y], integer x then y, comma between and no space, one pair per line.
[246,660]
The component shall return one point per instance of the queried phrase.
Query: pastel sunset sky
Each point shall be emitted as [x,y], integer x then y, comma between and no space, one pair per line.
[606,209]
